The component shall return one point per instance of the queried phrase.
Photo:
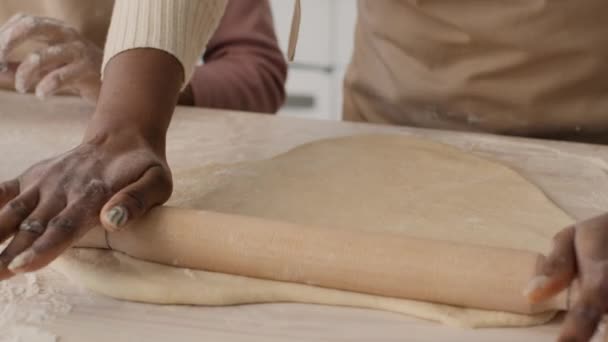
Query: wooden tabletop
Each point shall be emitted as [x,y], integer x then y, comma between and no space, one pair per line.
[573,175]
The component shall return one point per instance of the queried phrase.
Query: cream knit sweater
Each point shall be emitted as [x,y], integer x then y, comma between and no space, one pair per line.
[179,27]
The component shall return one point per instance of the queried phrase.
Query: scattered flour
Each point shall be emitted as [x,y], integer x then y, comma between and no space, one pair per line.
[24,333]
[25,303]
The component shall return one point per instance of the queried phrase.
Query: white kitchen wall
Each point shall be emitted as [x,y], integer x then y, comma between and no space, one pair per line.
[314,86]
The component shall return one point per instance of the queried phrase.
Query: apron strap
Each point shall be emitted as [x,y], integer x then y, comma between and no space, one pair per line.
[295,31]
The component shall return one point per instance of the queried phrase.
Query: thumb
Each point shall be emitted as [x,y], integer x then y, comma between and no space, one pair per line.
[555,272]
[152,188]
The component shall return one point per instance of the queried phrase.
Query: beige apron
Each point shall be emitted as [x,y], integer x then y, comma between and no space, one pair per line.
[520,67]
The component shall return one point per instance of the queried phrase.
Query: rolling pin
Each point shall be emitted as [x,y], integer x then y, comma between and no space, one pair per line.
[380,264]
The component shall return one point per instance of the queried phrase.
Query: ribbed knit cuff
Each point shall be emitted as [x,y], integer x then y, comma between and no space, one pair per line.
[179,27]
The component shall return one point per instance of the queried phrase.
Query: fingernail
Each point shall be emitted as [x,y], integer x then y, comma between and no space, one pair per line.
[117,216]
[21,261]
[20,86]
[40,94]
[535,284]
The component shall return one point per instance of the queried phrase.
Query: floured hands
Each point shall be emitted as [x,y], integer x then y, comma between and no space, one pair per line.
[108,179]
[69,63]
[580,254]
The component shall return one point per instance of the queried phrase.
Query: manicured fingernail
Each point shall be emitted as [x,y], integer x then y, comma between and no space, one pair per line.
[21,261]
[117,216]
[535,284]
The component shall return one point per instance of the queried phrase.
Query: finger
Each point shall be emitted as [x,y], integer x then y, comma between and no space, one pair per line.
[61,78]
[63,230]
[8,191]
[557,271]
[12,20]
[29,230]
[36,65]
[15,211]
[27,27]
[153,188]
[584,317]
[3,28]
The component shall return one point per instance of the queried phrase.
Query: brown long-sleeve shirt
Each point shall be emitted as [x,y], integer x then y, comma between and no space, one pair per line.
[244,68]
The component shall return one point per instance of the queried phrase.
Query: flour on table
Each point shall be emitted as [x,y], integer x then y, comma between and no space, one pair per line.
[26,302]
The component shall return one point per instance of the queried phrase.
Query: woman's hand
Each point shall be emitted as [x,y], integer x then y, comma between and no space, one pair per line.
[115,175]
[69,63]
[580,252]
[57,201]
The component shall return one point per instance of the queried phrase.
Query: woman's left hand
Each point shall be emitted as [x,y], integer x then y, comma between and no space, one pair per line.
[580,253]
[69,63]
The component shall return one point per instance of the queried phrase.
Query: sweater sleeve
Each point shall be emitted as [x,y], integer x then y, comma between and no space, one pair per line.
[244,67]
[179,27]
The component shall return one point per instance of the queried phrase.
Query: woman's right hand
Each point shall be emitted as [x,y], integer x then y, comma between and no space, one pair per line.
[111,178]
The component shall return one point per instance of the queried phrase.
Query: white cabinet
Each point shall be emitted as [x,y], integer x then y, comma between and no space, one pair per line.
[314,40]
[308,95]
[314,86]
[344,30]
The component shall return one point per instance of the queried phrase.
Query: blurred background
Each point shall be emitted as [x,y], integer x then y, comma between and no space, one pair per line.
[314,87]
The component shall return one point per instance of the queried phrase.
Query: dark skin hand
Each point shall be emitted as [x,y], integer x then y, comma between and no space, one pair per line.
[580,254]
[114,176]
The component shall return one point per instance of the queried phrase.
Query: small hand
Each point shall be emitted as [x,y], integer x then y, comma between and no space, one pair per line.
[107,179]
[69,62]
[580,252]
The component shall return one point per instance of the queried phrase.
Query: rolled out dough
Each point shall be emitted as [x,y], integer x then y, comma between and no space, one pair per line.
[381,183]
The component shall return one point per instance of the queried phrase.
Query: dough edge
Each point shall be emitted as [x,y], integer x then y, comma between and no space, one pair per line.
[122,277]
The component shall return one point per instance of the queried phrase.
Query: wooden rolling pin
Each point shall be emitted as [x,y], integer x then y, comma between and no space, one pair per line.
[380,264]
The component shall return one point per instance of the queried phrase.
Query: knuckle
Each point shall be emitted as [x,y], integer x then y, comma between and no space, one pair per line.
[586,313]
[26,21]
[136,198]
[4,189]
[69,31]
[19,15]
[30,66]
[564,235]
[97,188]
[34,59]
[556,263]
[33,226]
[18,207]
[79,45]
[63,224]
[57,78]
[54,50]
